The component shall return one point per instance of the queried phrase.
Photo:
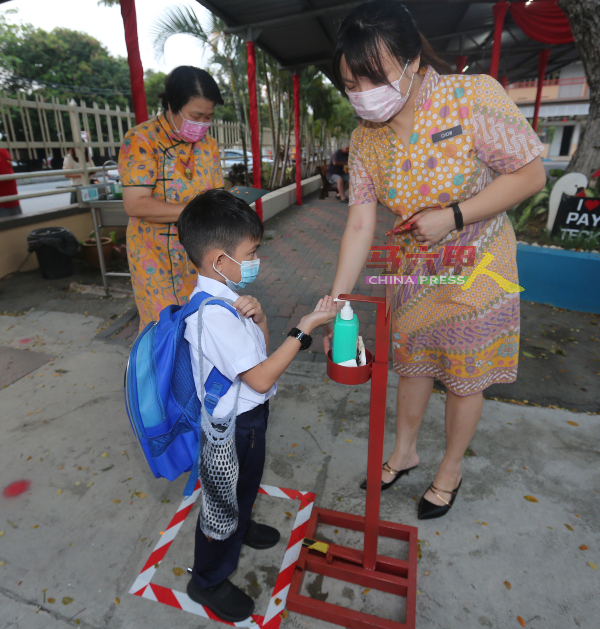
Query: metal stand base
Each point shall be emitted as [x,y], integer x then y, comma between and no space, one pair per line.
[394,576]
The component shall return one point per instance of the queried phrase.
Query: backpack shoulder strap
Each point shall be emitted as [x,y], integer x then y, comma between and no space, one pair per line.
[198,298]
[216,385]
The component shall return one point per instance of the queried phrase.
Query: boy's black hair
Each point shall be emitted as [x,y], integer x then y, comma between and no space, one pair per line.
[216,219]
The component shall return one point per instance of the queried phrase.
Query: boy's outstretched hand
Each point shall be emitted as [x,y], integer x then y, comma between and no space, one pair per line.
[250,308]
[324,312]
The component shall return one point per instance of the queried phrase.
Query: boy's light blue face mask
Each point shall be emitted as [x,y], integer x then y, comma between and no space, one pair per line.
[249,273]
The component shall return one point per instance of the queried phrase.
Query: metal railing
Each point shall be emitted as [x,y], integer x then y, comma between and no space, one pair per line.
[44,174]
[577,80]
[29,128]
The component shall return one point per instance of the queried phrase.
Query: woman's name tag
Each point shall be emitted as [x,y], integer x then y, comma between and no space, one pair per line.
[446,134]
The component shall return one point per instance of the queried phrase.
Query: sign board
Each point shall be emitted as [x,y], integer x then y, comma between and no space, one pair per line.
[577,216]
[567,184]
[89,194]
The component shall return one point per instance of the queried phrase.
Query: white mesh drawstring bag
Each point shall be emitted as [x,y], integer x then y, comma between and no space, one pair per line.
[219,466]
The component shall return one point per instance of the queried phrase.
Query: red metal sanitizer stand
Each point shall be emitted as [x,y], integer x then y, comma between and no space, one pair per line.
[362,567]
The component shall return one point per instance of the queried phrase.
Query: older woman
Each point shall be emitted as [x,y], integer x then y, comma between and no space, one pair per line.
[164,163]
[448,155]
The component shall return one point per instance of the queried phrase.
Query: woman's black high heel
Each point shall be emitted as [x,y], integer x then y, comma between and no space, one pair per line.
[389,470]
[429,511]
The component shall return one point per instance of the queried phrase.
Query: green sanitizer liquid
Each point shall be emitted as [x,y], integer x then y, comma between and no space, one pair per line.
[345,334]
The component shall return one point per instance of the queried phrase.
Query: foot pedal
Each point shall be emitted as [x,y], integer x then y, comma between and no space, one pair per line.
[313,544]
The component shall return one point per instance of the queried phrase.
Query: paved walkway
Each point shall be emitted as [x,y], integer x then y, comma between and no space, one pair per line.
[298,264]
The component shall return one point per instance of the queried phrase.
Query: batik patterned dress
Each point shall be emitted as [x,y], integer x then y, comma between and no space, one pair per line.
[468,339]
[153,156]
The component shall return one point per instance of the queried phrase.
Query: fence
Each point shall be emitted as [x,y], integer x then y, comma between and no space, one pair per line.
[576,80]
[35,129]
[38,129]
[41,130]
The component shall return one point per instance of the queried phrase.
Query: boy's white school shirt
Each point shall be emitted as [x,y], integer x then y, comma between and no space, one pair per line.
[231,344]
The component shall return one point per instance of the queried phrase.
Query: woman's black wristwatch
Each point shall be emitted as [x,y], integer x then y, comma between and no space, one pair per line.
[458,217]
[305,339]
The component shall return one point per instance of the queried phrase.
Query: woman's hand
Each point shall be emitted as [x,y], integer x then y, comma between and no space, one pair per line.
[432,226]
[327,330]
[139,203]
[250,308]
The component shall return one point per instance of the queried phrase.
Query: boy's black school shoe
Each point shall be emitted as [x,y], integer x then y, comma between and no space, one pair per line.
[261,536]
[226,600]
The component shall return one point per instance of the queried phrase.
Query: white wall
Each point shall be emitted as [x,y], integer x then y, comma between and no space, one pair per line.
[278,200]
[572,71]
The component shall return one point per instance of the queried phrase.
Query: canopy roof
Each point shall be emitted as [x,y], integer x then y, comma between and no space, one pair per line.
[302,32]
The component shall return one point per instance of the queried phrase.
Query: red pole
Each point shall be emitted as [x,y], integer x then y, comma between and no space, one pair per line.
[379,379]
[136,71]
[542,63]
[298,147]
[461,62]
[500,9]
[256,160]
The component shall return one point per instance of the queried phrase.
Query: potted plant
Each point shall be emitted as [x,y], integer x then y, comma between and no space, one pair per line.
[90,250]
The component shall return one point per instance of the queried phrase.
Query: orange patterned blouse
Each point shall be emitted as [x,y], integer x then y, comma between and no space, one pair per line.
[154,156]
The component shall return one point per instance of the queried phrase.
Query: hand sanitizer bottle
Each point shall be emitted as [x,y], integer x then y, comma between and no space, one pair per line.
[345,335]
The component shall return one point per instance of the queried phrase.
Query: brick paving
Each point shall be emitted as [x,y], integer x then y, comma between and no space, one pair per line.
[298,264]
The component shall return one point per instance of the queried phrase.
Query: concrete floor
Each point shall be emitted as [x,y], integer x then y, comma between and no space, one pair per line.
[69,539]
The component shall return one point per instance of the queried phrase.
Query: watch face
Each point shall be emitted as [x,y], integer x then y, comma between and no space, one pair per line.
[306,342]
[305,339]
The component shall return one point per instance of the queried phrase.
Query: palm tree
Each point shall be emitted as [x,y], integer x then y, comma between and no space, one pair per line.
[181,20]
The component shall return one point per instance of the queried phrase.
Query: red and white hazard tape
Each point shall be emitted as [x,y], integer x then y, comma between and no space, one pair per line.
[144,588]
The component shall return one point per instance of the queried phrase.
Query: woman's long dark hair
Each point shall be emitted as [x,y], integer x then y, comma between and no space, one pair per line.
[381,25]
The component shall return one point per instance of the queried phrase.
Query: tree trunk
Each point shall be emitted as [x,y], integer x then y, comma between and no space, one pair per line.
[584,17]
[258,112]
[238,113]
[290,106]
[272,121]
[276,146]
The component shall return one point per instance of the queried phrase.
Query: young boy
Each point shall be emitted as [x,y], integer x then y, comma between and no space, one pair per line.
[221,235]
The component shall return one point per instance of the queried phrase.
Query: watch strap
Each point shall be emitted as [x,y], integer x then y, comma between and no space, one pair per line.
[458,217]
[305,339]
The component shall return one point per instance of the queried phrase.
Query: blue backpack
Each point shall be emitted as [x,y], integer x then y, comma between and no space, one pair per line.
[161,397]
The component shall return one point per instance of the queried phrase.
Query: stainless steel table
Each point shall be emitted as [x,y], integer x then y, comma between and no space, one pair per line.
[106,214]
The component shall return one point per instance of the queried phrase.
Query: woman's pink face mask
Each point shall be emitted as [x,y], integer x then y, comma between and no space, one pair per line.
[192,131]
[380,103]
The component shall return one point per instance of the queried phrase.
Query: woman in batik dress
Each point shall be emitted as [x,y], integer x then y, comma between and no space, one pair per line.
[165,163]
[428,141]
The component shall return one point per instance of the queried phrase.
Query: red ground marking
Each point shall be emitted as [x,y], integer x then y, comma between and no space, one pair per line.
[23,341]
[16,488]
